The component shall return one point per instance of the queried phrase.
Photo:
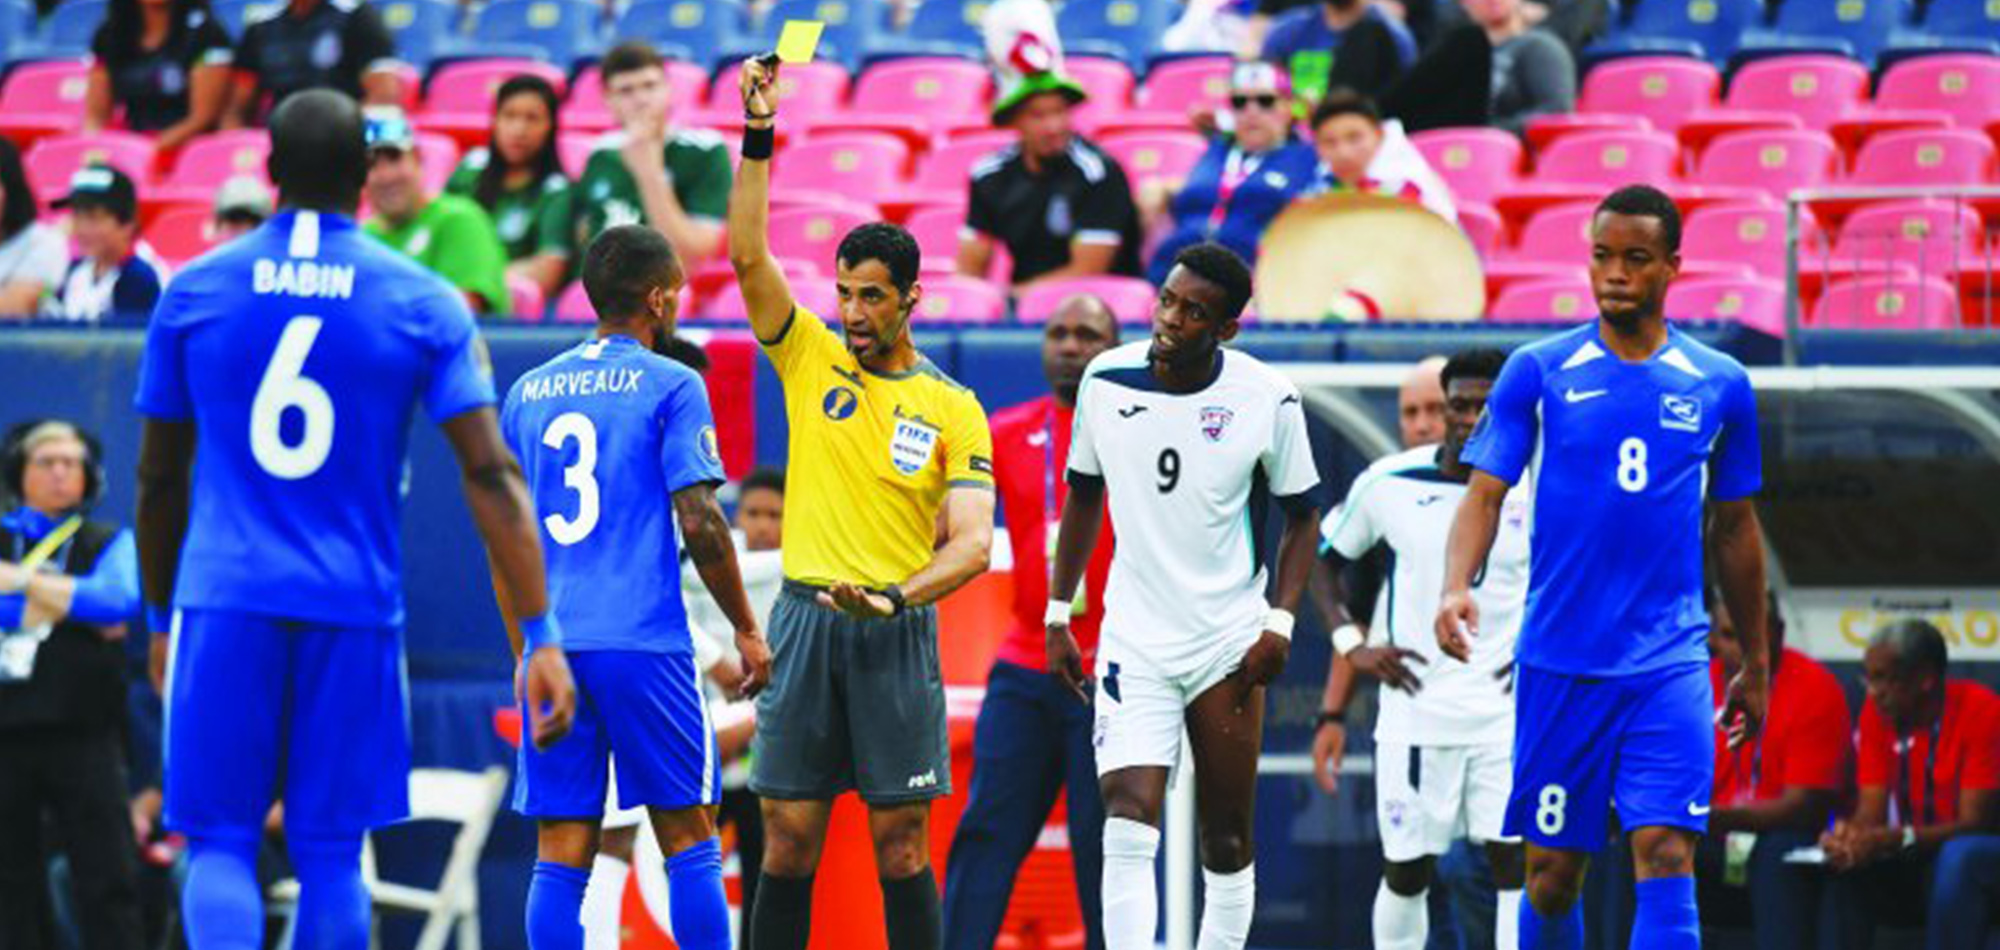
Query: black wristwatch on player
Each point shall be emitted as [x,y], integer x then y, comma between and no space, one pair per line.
[1326,716]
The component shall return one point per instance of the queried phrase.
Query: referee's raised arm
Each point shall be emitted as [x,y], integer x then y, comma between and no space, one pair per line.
[766,294]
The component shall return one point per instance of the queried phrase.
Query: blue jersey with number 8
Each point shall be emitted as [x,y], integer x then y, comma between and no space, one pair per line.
[1623,457]
[299,351]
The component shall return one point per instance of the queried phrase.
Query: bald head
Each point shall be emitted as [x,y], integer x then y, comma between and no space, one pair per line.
[1420,403]
[318,153]
[1081,327]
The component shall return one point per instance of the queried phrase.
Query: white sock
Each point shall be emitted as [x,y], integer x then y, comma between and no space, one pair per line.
[1401,923]
[1131,907]
[1507,921]
[1227,906]
[603,898]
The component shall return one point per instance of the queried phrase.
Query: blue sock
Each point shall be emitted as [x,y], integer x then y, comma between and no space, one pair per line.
[333,902]
[1551,933]
[555,907]
[698,907]
[221,902]
[1667,918]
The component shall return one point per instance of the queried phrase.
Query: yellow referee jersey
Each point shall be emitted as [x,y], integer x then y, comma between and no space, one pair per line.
[871,458]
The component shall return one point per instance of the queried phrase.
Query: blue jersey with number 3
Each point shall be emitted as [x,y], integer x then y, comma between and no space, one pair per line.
[298,351]
[1623,456]
[607,432]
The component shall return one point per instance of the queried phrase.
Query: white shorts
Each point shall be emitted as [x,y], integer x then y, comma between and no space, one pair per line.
[1427,796]
[1140,708]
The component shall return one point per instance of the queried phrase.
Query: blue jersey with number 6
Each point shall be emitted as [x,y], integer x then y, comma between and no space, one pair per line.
[1623,455]
[299,352]
[607,432]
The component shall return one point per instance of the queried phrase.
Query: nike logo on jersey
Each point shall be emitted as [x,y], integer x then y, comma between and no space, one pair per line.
[1697,811]
[1133,411]
[1428,500]
[1573,395]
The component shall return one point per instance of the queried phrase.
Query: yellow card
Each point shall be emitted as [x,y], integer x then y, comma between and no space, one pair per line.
[799,40]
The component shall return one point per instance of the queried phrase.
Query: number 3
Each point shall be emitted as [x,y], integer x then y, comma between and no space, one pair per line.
[580,476]
[1632,464]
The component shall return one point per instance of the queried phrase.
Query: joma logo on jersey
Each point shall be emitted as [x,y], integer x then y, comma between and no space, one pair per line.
[1682,413]
[926,780]
[1215,422]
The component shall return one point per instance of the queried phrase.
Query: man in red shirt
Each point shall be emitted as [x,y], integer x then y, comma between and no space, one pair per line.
[1928,763]
[1033,737]
[1774,794]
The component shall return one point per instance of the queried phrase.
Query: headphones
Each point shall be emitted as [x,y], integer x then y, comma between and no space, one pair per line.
[14,462]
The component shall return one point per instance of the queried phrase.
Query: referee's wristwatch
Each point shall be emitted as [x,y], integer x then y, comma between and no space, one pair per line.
[897,603]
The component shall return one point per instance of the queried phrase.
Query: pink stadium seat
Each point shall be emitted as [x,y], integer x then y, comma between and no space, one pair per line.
[1155,156]
[525,298]
[1967,87]
[936,228]
[864,166]
[1888,302]
[52,160]
[1545,130]
[812,233]
[815,89]
[1924,157]
[1931,236]
[1752,234]
[1109,84]
[1857,127]
[1666,90]
[1758,303]
[1706,126]
[43,98]
[1816,88]
[208,161]
[935,92]
[439,154]
[1774,161]
[1567,299]
[1184,84]
[180,234]
[459,99]
[1557,235]
[945,175]
[573,150]
[1130,298]
[573,306]
[1476,163]
[817,296]
[1483,226]
[1610,159]
[952,298]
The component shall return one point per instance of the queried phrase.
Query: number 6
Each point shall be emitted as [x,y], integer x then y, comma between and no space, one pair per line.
[283,387]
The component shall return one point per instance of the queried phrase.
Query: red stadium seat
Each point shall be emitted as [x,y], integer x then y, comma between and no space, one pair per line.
[1818,89]
[1858,127]
[208,161]
[1774,161]
[1130,298]
[1665,90]
[1610,159]
[52,160]
[954,298]
[812,233]
[1559,234]
[1108,83]
[1476,163]
[1746,233]
[1925,157]
[459,99]
[1888,301]
[1758,303]
[1966,87]
[181,234]
[1155,156]
[1545,130]
[1182,85]
[43,99]
[1557,298]
[863,166]
[1708,125]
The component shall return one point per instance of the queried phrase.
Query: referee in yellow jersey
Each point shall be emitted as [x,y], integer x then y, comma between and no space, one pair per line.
[881,441]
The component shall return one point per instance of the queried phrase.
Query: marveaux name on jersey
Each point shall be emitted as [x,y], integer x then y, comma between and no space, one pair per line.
[590,382]
[309,279]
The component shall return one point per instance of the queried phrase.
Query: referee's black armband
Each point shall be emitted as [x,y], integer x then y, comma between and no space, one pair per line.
[1299,505]
[1078,480]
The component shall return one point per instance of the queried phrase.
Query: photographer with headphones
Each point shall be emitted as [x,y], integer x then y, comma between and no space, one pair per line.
[68,583]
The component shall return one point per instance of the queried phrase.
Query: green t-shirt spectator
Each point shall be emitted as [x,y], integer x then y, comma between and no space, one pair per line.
[606,196]
[454,238]
[531,220]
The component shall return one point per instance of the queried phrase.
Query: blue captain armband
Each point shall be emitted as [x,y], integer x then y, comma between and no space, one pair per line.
[539,632]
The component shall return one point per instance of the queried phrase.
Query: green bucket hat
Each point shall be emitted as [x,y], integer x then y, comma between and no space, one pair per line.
[1019,89]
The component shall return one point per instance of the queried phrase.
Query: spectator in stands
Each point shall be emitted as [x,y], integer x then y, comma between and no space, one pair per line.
[1778,789]
[1243,180]
[518,179]
[113,277]
[68,584]
[1922,835]
[241,205]
[1061,205]
[313,44]
[33,256]
[1533,72]
[649,171]
[1358,151]
[1340,43]
[448,234]
[166,62]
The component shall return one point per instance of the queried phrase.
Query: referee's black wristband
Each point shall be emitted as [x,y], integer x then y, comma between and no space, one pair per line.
[1326,716]
[758,144]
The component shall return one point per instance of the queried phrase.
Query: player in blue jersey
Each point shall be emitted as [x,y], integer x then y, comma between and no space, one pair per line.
[1629,433]
[619,445]
[289,361]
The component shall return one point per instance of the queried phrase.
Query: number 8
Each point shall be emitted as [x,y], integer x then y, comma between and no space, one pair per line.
[1632,464]
[1549,815]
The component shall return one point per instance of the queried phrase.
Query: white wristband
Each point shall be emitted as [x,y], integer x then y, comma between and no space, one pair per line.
[1280,622]
[1057,614]
[1348,638]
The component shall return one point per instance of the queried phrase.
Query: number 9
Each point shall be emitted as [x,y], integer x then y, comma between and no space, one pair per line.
[1170,470]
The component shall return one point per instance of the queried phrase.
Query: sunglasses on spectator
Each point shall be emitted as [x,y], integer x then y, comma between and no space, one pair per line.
[1262,100]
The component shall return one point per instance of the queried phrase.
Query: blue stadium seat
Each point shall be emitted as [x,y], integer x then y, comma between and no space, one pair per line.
[425,30]
[851,26]
[1715,25]
[706,27]
[70,27]
[1127,29]
[1862,27]
[568,30]
[949,21]
[17,26]
[1971,18]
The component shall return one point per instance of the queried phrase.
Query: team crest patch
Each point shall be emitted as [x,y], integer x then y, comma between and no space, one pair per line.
[1682,413]
[839,403]
[1215,422]
[912,446]
[711,448]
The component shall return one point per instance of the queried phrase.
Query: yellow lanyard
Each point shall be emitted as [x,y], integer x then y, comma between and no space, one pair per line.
[41,552]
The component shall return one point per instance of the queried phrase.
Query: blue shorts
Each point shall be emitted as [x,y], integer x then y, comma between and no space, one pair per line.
[260,708]
[1581,743]
[644,708]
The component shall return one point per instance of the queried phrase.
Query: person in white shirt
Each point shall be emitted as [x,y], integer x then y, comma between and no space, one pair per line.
[1191,441]
[117,275]
[33,256]
[1444,734]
